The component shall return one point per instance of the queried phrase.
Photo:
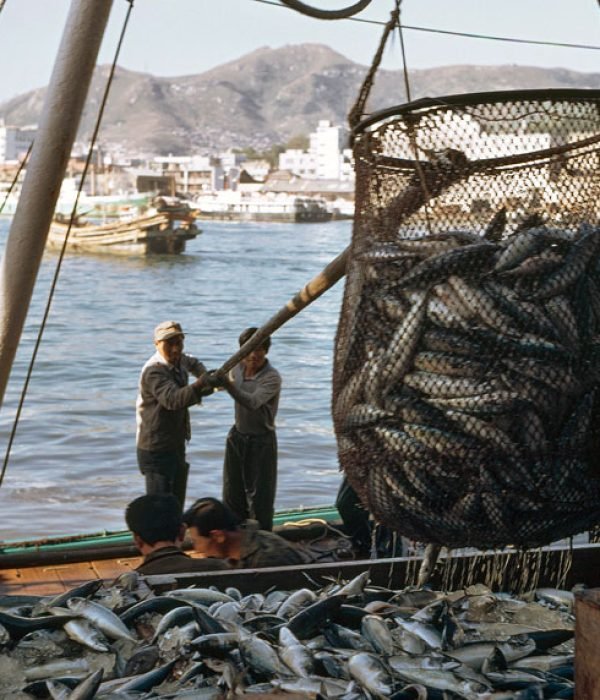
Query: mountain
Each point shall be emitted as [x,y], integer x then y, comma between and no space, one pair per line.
[266,97]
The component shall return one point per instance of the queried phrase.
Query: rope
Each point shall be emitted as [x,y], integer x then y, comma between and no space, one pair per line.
[64,246]
[16,177]
[344,13]
[402,49]
[411,132]
[357,110]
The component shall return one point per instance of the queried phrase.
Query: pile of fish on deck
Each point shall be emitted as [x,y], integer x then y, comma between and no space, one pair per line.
[349,641]
[463,410]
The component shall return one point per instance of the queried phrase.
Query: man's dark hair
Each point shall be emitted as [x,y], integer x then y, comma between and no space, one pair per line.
[248,333]
[208,514]
[155,518]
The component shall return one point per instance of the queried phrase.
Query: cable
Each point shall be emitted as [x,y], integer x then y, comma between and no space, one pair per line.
[16,177]
[468,35]
[64,246]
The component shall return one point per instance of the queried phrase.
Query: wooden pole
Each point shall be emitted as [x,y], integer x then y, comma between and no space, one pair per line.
[331,274]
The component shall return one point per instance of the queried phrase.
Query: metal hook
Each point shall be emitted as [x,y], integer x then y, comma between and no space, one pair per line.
[344,13]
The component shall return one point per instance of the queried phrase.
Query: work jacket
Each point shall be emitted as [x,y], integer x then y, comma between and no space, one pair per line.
[164,394]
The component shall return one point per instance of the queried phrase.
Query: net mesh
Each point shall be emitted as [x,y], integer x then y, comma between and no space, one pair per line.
[467,356]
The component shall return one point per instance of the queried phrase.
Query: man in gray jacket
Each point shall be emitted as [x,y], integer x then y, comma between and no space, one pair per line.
[250,465]
[163,421]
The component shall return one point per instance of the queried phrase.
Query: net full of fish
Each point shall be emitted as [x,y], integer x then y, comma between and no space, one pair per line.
[466,355]
[344,640]
[466,397]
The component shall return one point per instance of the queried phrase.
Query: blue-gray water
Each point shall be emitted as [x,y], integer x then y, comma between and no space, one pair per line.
[72,466]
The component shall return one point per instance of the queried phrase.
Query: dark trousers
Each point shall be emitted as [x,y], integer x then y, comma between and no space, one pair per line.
[359,527]
[250,476]
[354,516]
[165,472]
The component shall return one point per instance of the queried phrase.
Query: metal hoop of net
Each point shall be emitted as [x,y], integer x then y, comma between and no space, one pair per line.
[467,357]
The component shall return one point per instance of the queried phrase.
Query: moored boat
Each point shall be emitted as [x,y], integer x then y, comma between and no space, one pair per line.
[241,206]
[164,230]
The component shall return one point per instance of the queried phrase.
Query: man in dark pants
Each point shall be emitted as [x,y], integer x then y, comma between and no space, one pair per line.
[250,466]
[158,532]
[163,421]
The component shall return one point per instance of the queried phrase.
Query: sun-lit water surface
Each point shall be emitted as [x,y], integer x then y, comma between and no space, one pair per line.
[72,466]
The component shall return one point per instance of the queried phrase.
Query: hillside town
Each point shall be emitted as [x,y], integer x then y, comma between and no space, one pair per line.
[312,184]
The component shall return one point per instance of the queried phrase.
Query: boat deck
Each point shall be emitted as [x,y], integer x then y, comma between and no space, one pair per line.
[501,570]
[58,578]
[53,566]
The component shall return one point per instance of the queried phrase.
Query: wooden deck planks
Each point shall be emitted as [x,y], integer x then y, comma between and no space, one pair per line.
[54,579]
[109,569]
[30,581]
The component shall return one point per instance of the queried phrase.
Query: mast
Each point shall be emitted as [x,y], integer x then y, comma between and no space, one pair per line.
[58,126]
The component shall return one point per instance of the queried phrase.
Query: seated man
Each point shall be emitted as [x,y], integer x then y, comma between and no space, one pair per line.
[158,532]
[217,532]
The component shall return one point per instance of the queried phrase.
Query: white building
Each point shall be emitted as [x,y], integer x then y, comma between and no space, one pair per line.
[192,173]
[324,159]
[15,141]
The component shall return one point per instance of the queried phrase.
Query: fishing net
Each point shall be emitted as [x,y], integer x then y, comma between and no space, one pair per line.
[467,357]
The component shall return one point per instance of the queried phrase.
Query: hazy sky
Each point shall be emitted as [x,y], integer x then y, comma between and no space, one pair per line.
[180,37]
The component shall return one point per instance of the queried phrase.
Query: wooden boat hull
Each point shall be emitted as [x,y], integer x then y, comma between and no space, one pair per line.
[395,573]
[46,567]
[155,234]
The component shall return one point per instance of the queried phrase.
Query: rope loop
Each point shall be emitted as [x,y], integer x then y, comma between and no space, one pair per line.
[315,12]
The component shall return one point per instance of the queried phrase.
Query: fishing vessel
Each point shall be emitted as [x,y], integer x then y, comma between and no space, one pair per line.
[499,568]
[241,206]
[31,223]
[163,231]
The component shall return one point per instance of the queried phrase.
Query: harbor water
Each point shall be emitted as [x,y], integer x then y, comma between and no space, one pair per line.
[72,467]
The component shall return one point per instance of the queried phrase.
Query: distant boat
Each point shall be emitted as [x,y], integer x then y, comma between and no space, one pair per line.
[240,206]
[162,230]
[96,206]
[106,206]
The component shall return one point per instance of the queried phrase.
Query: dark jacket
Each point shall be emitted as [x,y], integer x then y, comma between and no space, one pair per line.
[263,548]
[163,423]
[171,560]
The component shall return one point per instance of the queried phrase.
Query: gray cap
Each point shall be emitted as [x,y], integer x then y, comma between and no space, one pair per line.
[166,330]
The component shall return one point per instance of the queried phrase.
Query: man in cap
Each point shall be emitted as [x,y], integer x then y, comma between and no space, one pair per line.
[163,422]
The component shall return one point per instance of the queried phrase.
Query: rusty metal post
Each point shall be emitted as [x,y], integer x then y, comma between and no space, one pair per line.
[587,644]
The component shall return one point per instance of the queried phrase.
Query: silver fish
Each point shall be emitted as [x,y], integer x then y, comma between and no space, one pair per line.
[261,656]
[67,667]
[475,654]
[84,632]
[203,596]
[442,680]
[103,618]
[295,655]
[375,630]
[370,672]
